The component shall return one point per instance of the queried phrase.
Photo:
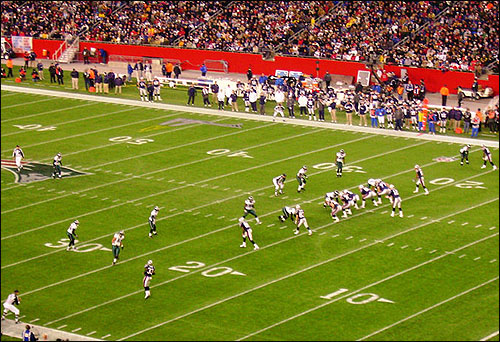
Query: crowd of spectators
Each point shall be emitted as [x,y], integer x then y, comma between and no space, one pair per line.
[464,38]
[460,35]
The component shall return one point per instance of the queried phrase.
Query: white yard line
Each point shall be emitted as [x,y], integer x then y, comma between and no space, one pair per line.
[264,247]
[358,290]
[430,308]
[293,274]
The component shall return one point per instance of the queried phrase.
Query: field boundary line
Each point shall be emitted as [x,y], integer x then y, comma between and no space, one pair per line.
[165,191]
[330,125]
[127,179]
[489,336]
[48,112]
[298,272]
[177,188]
[430,308]
[279,242]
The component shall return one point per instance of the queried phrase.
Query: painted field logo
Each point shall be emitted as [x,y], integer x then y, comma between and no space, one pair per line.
[35,172]
[445,159]
[182,122]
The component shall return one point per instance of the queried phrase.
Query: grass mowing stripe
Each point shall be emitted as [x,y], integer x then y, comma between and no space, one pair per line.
[48,112]
[180,242]
[27,103]
[428,309]
[90,132]
[369,285]
[145,174]
[64,123]
[241,255]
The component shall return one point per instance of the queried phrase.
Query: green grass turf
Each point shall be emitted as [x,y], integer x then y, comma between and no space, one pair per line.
[179,96]
[446,245]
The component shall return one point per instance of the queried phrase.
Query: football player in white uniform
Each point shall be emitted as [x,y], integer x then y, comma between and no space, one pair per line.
[149,272]
[382,190]
[396,200]
[367,193]
[9,305]
[71,233]
[250,209]
[340,162]
[57,166]
[157,87]
[117,243]
[18,155]
[246,233]
[152,221]
[419,180]
[300,219]
[287,212]
[464,152]
[487,157]
[335,209]
[279,183]
[329,196]
[301,178]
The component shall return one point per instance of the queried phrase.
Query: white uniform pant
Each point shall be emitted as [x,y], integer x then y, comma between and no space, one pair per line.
[247,234]
[397,202]
[278,186]
[18,161]
[303,221]
[11,308]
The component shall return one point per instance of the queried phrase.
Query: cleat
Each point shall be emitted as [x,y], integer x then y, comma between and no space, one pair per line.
[310,232]
[483,167]
[243,245]
[494,167]
[295,232]
[336,219]
[401,214]
[392,214]
[416,191]
[255,247]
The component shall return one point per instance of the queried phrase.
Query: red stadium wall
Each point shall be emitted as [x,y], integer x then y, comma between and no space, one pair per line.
[239,63]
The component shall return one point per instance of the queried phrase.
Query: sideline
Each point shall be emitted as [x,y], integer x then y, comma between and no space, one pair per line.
[10,328]
[267,118]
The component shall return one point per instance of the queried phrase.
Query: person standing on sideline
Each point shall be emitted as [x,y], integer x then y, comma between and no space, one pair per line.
[151,91]
[9,303]
[157,88]
[214,88]
[117,244]
[262,103]
[98,83]
[290,103]
[168,69]
[57,166]
[204,94]
[177,70]
[143,91]
[203,70]
[152,221]
[460,97]
[86,54]
[149,272]
[431,120]
[28,334]
[74,79]
[234,101]
[220,99]
[10,66]
[464,152]
[52,72]
[487,157]
[118,85]
[475,126]
[327,78]
[191,94]
[444,91]
[39,67]
[60,75]
[419,180]
[340,162]
[130,71]
[467,119]
[71,232]
[18,155]
[139,68]
[247,232]
[249,74]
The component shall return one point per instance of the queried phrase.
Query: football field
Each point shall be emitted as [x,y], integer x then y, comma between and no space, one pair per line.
[430,275]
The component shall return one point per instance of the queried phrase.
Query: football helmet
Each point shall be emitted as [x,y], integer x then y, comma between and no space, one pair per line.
[284,175]
[468,145]
[342,151]
[250,198]
[77,222]
[304,167]
[150,262]
[297,207]
[156,208]
[122,232]
[360,186]
[391,186]
[416,166]
[371,181]
[59,154]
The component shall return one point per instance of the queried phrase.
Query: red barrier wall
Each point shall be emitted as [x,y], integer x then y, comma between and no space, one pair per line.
[239,63]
